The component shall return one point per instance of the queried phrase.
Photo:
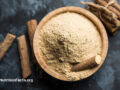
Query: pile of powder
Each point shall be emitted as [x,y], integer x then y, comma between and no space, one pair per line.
[67,39]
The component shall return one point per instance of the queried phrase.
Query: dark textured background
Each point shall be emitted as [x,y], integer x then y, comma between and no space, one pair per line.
[13,17]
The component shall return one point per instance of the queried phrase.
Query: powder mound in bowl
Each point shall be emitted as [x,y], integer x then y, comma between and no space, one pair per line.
[67,39]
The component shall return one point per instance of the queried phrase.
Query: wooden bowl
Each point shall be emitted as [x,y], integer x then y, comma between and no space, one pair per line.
[88,15]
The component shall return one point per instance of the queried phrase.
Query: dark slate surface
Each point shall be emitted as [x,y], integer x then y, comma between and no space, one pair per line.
[13,17]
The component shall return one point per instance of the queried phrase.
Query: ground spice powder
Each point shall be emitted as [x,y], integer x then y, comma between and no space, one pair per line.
[67,39]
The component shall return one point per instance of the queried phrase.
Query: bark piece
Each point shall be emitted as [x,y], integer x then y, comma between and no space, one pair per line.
[24,56]
[87,64]
[5,45]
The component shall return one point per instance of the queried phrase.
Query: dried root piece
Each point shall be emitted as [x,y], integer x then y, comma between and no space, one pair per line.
[87,64]
[109,18]
[110,2]
[5,45]
[32,25]
[24,56]
[105,4]
[114,4]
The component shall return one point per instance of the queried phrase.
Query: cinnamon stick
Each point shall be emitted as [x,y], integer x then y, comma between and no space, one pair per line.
[87,64]
[24,56]
[5,45]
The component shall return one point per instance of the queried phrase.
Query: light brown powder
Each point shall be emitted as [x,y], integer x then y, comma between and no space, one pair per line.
[67,39]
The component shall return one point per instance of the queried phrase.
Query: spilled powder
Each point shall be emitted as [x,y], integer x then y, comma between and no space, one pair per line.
[67,39]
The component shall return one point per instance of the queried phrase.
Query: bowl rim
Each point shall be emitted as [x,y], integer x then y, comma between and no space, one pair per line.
[55,12]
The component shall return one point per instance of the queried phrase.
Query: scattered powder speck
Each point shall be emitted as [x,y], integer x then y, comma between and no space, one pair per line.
[67,39]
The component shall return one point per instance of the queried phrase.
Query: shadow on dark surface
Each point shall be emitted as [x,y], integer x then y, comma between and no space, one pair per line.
[54,84]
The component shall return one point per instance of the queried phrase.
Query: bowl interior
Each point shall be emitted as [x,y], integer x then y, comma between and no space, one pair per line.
[87,14]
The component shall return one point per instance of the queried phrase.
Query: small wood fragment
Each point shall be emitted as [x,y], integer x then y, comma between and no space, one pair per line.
[24,56]
[87,64]
[5,45]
